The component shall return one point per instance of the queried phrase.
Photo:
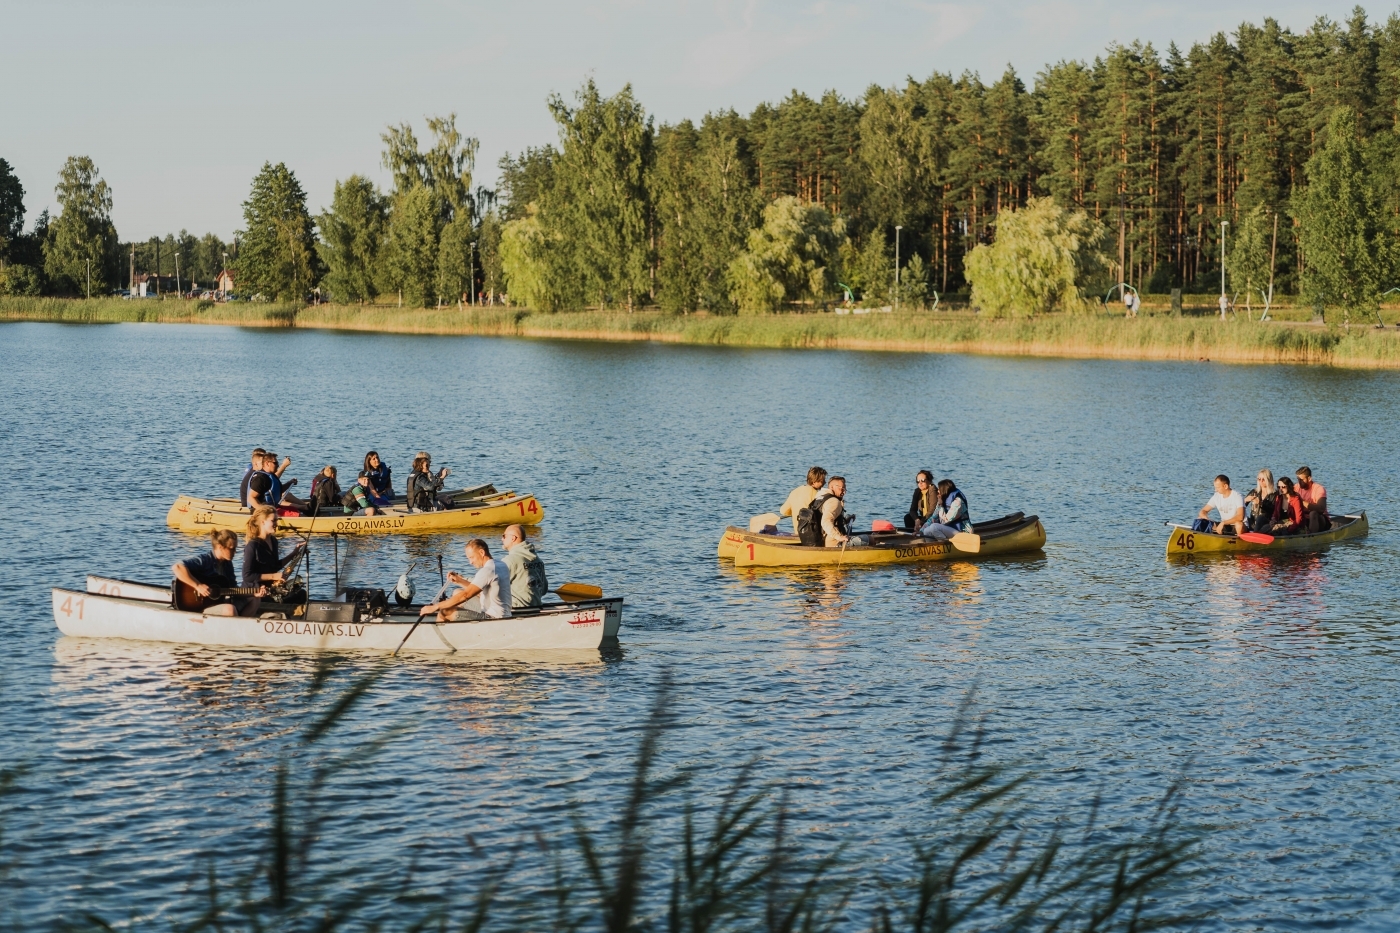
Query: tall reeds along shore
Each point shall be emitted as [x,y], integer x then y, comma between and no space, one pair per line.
[1155,335]
[986,854]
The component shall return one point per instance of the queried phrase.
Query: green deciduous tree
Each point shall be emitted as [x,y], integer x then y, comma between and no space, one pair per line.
[1250,256]
[1347,247]
[598,207]
[277,256]
[411,248]
[352,232]
[1042,260]
[793,257]
[82,238]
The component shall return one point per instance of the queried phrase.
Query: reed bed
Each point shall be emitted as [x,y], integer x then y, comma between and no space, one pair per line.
[985,857]
[148,311]
[1156,335]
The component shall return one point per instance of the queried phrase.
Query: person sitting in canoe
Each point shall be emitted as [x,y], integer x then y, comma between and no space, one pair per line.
[1288,510]
[925,501]
[1314,497]
[804,495]
[281,496]
[1262,503]
[357,498]
[424,485]
[1230,506]
[381,484]
[825,523]
[214,570]
[325,492]
[492,581]
[951,514]
[262,564]
[254,465]
[528,581]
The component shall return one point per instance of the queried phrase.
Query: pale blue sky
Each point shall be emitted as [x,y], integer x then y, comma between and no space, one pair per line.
[179,103]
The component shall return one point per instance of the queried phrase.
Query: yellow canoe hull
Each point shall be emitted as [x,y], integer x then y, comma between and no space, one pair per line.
[1022,537]
[460,496]
[500,509]
[735,537]
[1183,542]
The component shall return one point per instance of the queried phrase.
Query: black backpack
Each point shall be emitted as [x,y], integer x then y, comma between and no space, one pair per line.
[809,523]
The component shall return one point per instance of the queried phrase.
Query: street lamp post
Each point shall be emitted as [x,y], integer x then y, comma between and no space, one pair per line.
[221,275]
[1224,303]
[471,273]
[177,271]
[89,277]
[897,228]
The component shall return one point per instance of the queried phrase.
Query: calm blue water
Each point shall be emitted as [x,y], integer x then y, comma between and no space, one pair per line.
[1100,666]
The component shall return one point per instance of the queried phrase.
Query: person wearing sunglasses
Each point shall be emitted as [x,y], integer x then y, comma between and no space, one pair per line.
[924,502]
[1288,509]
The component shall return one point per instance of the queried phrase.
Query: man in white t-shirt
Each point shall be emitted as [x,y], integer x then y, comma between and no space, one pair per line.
[491,582]
[1229,503]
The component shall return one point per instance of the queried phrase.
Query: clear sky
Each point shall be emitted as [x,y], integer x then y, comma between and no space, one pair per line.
[180,103]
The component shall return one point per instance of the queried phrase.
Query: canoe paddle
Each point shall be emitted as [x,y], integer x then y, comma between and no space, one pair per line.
[1256,537]
[967,542]
[578,592]
[759,522]
[419,621]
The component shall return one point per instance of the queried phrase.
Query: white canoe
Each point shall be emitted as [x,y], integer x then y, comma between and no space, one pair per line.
[332,626]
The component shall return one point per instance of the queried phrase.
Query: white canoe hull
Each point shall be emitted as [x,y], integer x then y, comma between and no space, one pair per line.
[91,615]
[109,586]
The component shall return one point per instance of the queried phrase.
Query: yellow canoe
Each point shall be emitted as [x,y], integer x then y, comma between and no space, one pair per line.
[1019,537]
[493,511]
[735,537]
[457,496]
[1183,542]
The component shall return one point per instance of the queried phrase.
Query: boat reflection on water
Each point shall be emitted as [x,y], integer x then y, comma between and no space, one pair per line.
[821,595]
[226,695]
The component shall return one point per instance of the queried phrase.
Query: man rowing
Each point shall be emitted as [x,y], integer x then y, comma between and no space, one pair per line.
[491,582]
[213,570]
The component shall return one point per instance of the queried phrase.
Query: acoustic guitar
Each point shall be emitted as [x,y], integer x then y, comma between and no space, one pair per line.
[187,599]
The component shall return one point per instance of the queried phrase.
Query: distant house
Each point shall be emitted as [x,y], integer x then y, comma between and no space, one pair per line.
[148,285]
[224,282]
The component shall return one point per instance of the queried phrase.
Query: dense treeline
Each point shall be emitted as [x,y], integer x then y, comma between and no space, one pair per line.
[79,252]
[795,200]
[799,201]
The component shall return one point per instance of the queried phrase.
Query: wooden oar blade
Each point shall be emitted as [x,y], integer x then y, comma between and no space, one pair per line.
[967,542]
[759,522]
[577,592]
[1257,537]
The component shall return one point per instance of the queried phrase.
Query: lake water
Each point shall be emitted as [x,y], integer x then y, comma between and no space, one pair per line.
[1099,666]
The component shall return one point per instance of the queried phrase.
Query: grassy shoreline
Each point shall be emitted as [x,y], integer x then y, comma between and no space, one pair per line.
[1152,336]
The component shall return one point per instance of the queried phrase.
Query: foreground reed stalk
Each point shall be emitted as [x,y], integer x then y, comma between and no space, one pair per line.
[985,857]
